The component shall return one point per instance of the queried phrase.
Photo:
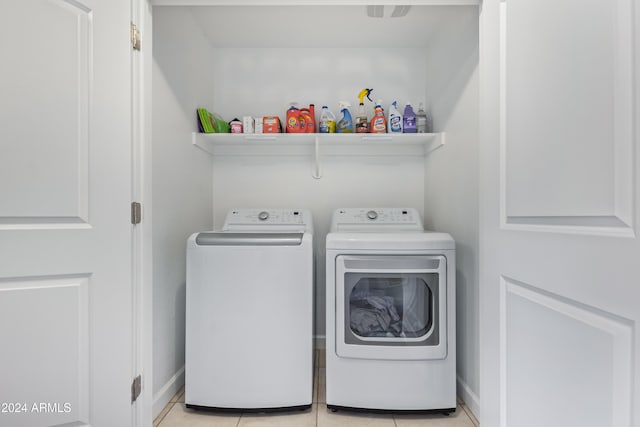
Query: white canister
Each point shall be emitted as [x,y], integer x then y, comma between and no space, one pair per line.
[247,124]
[258,125]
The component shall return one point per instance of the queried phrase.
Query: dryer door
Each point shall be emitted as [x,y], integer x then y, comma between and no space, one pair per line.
[391,307]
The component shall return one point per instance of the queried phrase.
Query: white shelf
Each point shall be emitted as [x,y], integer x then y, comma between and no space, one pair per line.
[334,144]
[318,145]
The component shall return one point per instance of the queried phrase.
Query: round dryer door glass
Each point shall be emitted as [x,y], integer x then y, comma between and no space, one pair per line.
[390,305]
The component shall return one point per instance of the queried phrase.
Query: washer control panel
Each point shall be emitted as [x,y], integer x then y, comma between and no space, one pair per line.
[267,219]
[376,219]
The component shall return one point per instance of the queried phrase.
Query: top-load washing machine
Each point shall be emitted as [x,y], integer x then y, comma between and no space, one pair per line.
[390,337]
[249,312]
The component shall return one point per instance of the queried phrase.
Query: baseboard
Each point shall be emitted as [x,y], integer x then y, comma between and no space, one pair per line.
[164,395]
[319,342]
[469,397]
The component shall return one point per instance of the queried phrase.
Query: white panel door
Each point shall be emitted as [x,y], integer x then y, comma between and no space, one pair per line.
[560,256]
[65,232]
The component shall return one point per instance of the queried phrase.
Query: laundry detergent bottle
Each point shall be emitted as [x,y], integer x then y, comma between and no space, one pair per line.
[312,110]
[295,123]
[327,123]
[395,119]
[379,121]
[308,124]
[345,124]
[409,119]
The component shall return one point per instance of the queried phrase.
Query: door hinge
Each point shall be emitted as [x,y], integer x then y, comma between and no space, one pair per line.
[136,388]
[136,213]
[135,37]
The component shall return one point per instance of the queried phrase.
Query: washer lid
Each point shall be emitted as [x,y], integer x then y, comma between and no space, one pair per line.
[268,220]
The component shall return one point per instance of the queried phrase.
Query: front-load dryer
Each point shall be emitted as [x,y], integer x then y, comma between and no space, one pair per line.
[390,336]
[249,313]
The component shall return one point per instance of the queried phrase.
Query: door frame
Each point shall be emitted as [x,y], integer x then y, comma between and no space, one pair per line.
[141,192]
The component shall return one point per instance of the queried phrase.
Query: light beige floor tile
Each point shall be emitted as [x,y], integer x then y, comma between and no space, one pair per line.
[305,418]
[457,419]
[322,385]
[162,414]
[180,416]
[327,418]
[315,386]
[322,358]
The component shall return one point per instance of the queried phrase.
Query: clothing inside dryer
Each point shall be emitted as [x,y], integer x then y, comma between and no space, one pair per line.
[391,307]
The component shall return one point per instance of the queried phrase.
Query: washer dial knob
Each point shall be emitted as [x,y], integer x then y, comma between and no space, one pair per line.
[372,215]
[262,216]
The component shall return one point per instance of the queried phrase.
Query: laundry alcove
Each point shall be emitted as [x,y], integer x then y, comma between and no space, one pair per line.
[256,58]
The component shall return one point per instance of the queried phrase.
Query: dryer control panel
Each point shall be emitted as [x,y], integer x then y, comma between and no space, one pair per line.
[268,220]
[376,219]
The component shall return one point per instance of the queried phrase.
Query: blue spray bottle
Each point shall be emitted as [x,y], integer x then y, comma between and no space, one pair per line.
[345,124]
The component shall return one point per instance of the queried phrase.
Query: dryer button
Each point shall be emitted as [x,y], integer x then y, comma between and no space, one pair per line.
[372,215]
[262,216]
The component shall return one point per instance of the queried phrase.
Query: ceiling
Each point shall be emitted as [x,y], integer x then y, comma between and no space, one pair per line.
[328,26]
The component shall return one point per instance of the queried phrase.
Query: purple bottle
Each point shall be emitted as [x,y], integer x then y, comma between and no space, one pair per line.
[409,120]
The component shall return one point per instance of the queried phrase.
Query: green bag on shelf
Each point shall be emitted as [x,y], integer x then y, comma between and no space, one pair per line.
[211,123]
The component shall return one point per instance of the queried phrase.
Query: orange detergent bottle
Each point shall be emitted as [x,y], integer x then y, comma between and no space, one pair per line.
[294,120]
[379,121]
[307,120]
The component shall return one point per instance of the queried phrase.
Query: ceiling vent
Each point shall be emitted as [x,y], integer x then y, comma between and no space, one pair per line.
[375,11]
[400,11]
[378,11]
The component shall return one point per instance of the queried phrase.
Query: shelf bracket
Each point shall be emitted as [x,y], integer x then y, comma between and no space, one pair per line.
[316,159]
[438,143]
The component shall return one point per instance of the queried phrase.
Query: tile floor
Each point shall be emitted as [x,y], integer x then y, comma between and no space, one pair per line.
[175,414]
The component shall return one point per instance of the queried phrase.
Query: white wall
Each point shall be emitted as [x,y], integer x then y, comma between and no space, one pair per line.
[451,180]
[182,188]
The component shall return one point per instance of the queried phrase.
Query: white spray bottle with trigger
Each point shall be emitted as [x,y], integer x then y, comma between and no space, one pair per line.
[362,120]
[395,118]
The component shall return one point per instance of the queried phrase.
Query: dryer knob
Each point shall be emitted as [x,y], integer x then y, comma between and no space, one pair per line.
[372,215]
[262,216]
